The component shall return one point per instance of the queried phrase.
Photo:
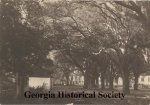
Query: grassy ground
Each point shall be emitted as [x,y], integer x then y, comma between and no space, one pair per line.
[140,97]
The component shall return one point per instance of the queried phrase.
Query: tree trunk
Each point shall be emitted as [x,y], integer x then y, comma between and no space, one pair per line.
[111,80]
[85,80]
[136,82]
[89,80]
[17,85]
[102,80]
[126,82]
[111,83]
[20,85]
[93,82]
[89,84]
[71,81]
[67,79]
[97,81]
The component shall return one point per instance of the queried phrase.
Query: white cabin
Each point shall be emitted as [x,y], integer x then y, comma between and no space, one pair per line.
[144,80]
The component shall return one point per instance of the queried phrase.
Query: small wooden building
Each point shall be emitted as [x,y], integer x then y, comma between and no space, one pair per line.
[39,78]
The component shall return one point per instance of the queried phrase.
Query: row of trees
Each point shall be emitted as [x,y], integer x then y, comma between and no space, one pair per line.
[102,39]
[106,39]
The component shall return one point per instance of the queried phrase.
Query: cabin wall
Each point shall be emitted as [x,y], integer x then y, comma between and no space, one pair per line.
[145,80]
[35,82]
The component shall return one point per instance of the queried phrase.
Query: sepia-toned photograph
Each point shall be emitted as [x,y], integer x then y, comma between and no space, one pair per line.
[75,52]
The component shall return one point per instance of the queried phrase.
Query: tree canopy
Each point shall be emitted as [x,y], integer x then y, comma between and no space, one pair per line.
[95,37]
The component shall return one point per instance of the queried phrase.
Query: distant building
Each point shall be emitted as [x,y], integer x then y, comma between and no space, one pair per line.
[118,82]
[45,82]
[144,81]
[39,79]
[76,78]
